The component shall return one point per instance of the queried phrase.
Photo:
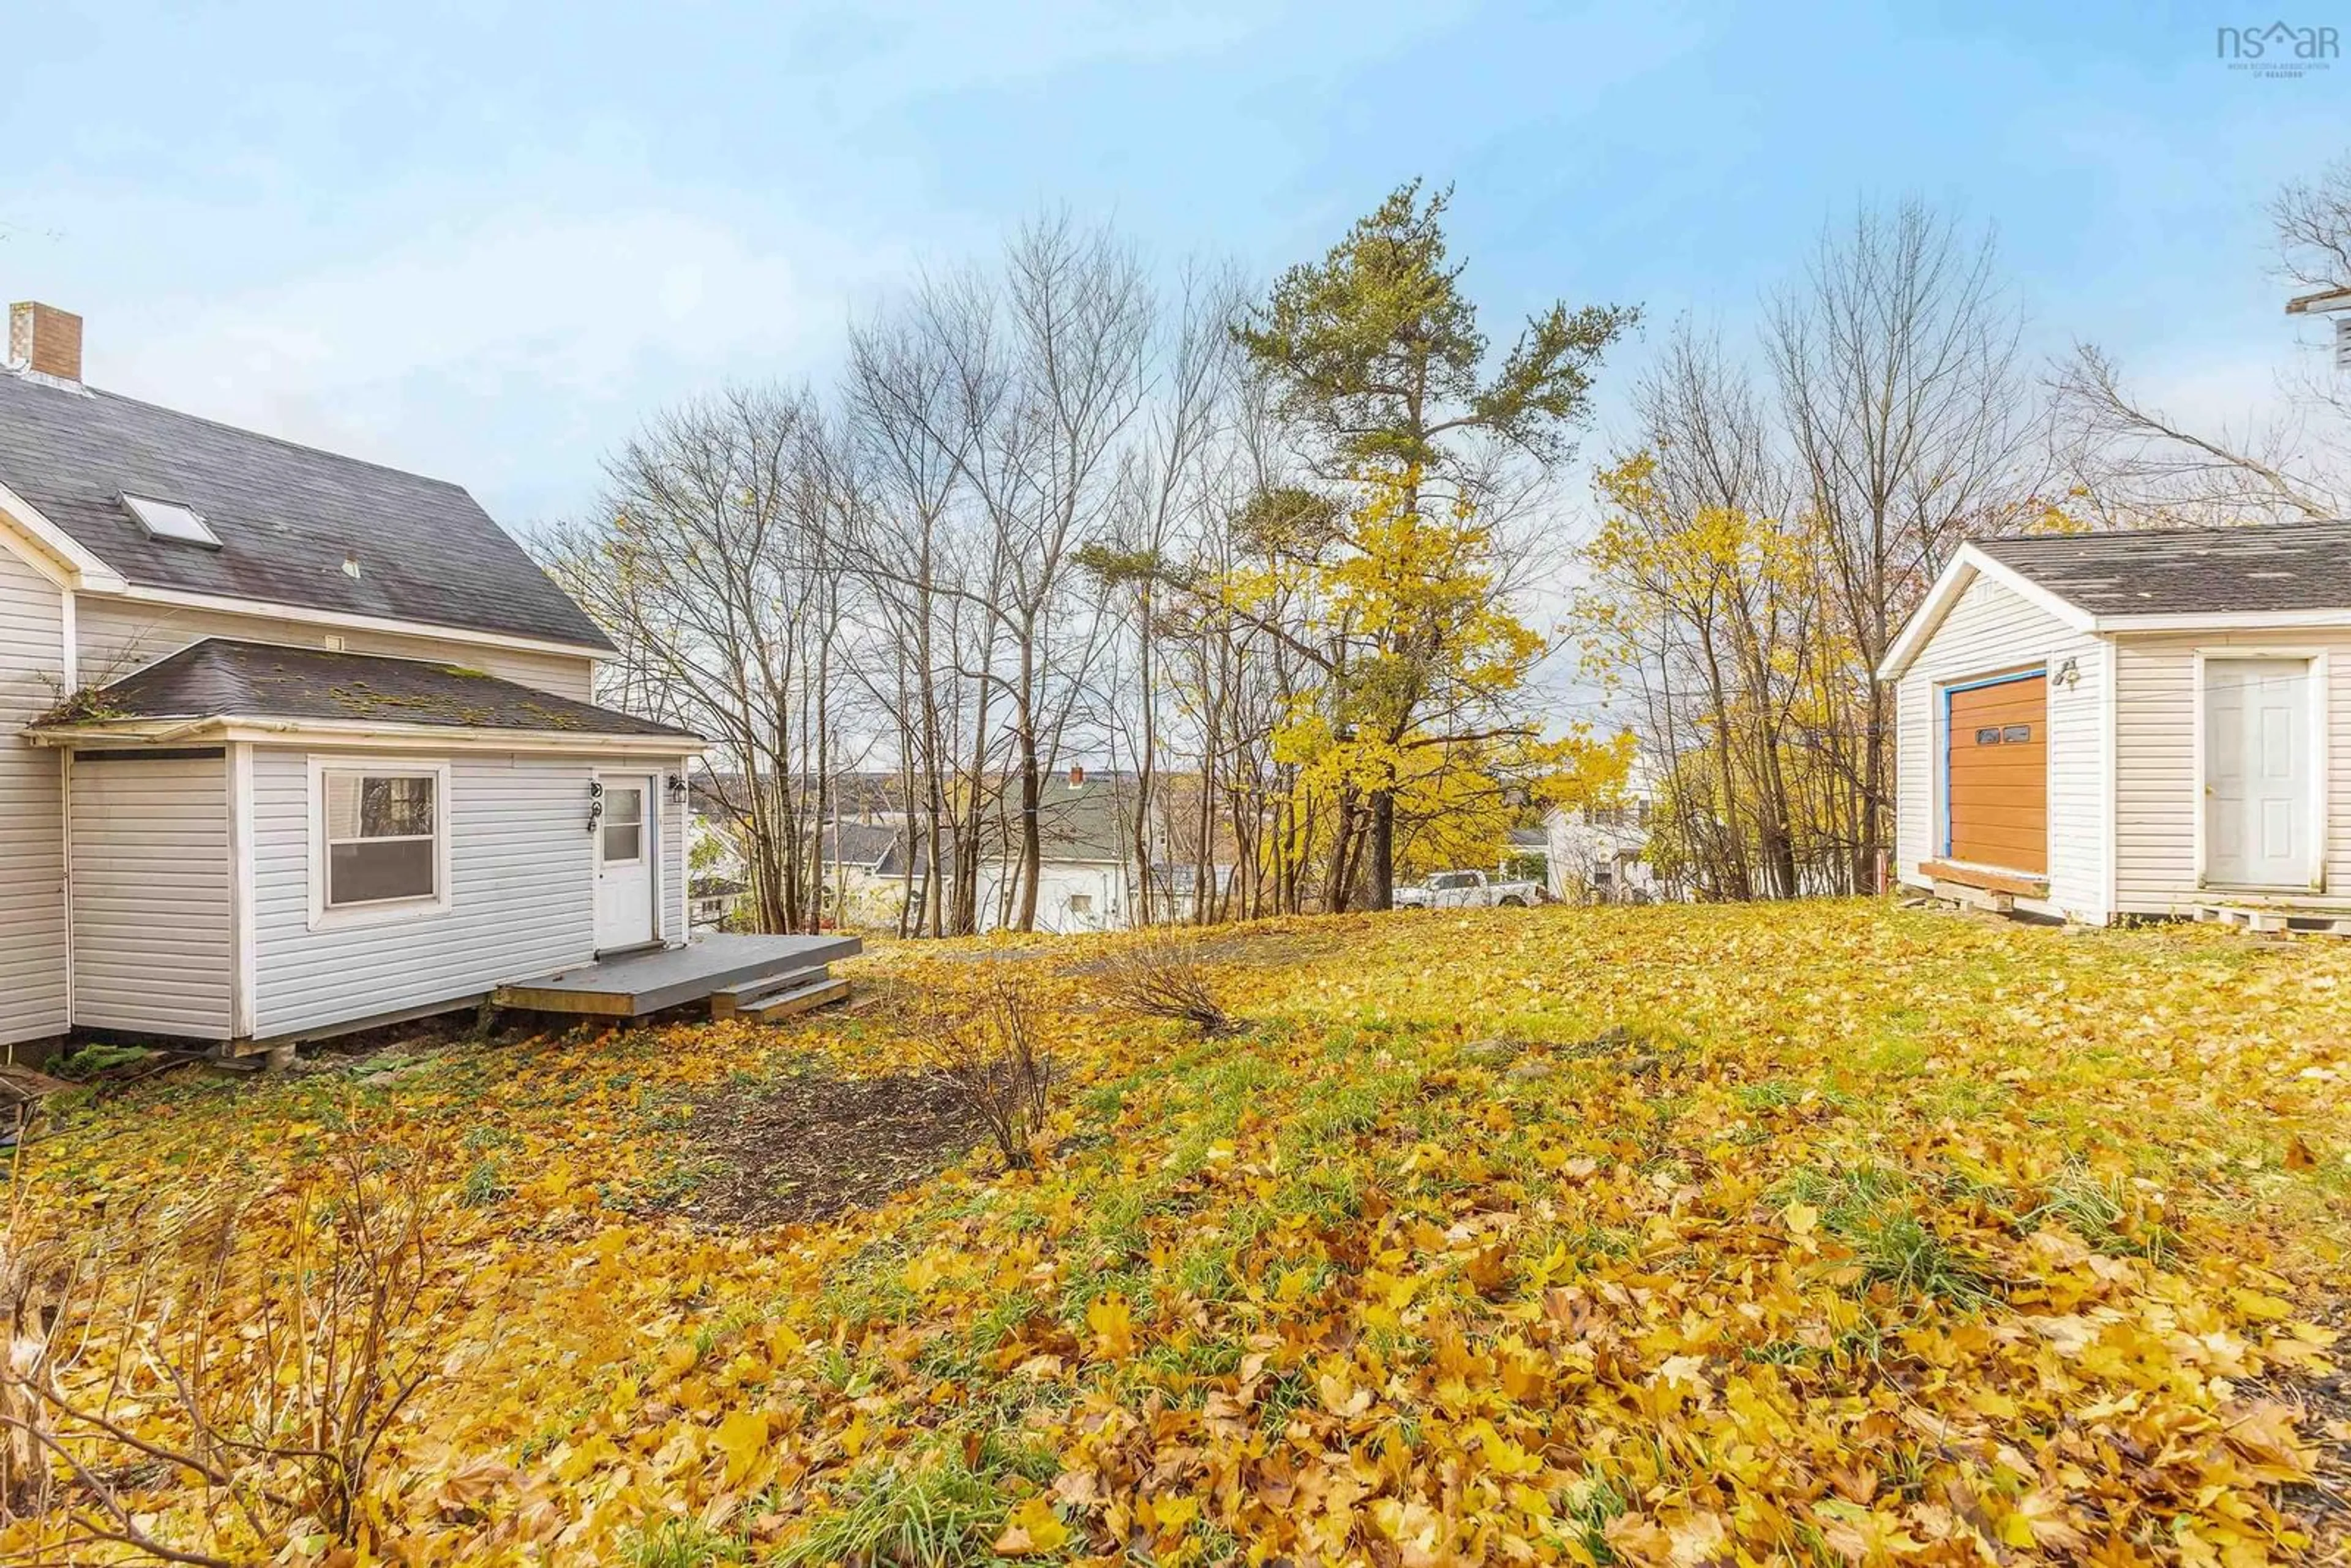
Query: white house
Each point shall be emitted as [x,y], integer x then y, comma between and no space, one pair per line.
[1598,854]
[290,743]
[1087,875]
[2107,726]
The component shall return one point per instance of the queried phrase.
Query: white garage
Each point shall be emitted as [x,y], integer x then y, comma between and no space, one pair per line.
[2103,726]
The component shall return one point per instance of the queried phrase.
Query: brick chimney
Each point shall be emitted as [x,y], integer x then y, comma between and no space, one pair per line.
[45,340]
[1077,776]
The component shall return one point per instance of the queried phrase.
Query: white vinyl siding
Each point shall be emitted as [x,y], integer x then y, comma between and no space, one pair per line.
[671,848]
[521,888]
[150,896]
[1099,883]
[117,636]
[2157,793]
[1991,629]
[32,830]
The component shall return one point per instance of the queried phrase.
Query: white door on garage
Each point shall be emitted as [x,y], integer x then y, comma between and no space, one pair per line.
[2261,781]
[624,862]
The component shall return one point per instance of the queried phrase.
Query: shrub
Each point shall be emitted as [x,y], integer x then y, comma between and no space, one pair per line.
[278,1335]
[990,1050]
[1160,975]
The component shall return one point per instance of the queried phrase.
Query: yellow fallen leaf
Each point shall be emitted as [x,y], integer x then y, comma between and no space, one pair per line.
[742,1438]
[1112,1321]
[1030,1528]
[2254,1304]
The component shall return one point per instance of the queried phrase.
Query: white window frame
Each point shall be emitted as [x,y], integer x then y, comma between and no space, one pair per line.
[387,912]
[650,784]
[157,527]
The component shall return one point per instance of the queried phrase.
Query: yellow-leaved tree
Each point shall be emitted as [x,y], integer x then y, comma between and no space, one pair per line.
[1422,704]
[1374,361]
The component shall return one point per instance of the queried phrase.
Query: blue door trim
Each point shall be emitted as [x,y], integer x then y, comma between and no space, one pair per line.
[1943,752]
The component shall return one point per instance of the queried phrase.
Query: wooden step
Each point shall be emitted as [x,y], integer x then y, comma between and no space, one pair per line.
[798,1000]
[730,1001]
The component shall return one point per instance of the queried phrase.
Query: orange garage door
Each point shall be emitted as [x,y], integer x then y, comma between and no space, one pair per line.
[1997,768]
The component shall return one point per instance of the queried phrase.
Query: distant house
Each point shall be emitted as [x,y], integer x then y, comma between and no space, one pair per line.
[715,900]
[290,743]
[2103,726]
[1526,854]
[1598,854]
[863,881]
[1087,874]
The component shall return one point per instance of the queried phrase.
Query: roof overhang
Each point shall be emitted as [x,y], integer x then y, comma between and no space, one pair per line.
[2325,302]
[2224,620]
[357,735]
[279,610]
[1962,569]
[53,553]
[1972,562]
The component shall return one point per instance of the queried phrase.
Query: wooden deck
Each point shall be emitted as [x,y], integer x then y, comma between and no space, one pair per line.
[632,985]
[2277,916]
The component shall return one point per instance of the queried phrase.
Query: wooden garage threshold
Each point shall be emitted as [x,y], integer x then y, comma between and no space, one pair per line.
[1985,879]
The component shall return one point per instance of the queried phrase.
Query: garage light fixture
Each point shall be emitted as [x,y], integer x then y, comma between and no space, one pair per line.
[2068,673]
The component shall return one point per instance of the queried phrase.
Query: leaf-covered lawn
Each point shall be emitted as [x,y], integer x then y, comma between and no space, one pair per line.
[1806,1233]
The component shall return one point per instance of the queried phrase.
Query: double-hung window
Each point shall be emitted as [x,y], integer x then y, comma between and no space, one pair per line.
[382,845]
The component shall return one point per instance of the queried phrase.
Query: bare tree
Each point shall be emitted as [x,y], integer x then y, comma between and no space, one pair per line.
[1898,382]
[710,567]
[2136,465]
[2133,461]
[1163,500]
[903,406]
[2312,222]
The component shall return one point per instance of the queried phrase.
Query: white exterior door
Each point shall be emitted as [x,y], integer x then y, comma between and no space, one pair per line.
[624,862]
[2260,784]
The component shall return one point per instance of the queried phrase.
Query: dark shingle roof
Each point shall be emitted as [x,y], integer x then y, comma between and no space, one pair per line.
[855,843]
[1093,820]
[2189,571]
[287,517]
[217,679]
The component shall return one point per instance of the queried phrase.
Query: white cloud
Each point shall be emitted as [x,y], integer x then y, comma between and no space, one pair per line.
[509,355]
[540,306]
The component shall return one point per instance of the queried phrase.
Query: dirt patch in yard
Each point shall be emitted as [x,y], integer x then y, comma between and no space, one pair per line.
[813,1146]
[2325,1406]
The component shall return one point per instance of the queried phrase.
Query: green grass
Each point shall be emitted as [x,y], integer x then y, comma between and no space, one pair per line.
[484,1184]
[681,1543]
[1872,1208]
[927,1510]
[1589,1505]
[1898,1250]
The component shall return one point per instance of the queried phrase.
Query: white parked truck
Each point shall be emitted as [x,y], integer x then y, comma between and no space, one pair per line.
[1466,890]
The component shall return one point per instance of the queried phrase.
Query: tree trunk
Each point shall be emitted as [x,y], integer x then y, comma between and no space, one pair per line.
[1873,797]
[1141,898]
[32,1285]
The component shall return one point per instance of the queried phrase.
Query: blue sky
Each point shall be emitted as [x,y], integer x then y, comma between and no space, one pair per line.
[484,240]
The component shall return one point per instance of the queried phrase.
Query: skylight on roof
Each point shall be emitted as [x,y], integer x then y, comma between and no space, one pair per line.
[170,521]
